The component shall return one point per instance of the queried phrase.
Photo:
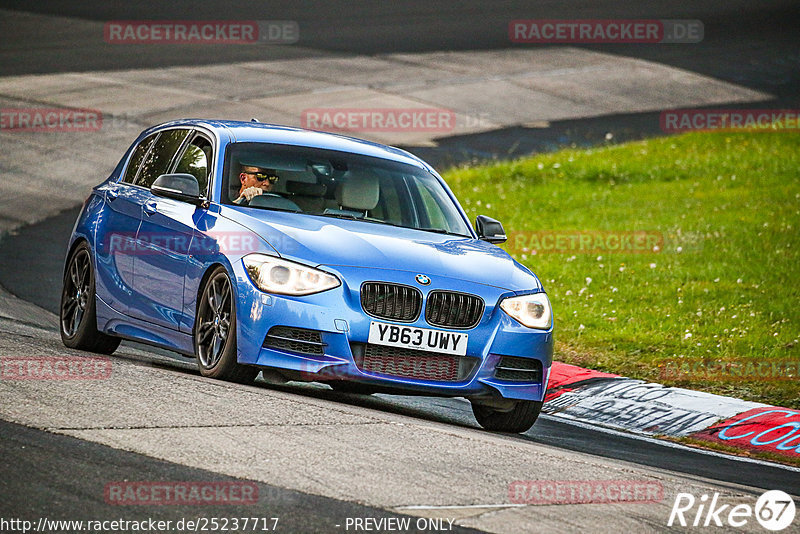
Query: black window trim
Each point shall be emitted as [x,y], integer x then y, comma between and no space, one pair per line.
[192,129]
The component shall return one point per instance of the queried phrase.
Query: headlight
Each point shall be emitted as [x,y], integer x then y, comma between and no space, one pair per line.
[532,311]
[275,275]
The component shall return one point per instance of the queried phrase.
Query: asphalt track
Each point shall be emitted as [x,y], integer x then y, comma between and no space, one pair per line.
[754,43]
[23,249]
[54,492]
[751,44]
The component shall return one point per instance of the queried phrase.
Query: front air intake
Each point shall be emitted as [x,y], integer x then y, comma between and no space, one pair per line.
[518,369]
[299,340]
[411,363]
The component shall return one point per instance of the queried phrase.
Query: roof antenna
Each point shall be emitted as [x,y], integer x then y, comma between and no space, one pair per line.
[254,119]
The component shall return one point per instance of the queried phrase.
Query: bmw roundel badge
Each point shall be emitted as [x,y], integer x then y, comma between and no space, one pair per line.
[422,279]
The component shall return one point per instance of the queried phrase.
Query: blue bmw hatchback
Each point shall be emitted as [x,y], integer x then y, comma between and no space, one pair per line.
[308,256]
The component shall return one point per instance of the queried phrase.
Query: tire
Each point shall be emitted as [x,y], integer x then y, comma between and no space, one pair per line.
[519,419]
[215,332]
[78,309]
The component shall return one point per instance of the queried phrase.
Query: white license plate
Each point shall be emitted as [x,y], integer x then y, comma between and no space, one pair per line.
[411,337]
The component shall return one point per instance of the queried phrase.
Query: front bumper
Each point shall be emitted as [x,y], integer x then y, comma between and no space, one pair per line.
[343,329]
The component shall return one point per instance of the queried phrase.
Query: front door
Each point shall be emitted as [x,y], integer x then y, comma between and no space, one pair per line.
[166,233]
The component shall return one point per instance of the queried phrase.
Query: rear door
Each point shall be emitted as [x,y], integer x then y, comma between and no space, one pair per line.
[115,245]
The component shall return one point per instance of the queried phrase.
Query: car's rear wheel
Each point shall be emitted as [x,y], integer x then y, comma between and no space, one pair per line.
[215,332]
[518,419]
[78,310]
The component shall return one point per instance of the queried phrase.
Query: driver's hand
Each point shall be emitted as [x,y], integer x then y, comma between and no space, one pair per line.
[251,192]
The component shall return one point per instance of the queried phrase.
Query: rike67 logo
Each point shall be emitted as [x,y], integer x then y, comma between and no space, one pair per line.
[774,510]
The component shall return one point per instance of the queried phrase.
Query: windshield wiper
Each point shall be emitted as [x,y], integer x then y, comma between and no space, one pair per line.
[441,231]
[287,210]
[348,216]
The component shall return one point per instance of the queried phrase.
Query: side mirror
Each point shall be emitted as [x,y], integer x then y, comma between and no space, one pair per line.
[183,187]
[490,230]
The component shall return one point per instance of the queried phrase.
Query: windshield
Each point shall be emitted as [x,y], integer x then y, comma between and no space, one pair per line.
[328,183]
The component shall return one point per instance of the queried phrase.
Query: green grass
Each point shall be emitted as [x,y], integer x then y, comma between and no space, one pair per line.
[724,286]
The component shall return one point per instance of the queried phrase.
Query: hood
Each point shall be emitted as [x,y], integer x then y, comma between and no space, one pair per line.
[318,240]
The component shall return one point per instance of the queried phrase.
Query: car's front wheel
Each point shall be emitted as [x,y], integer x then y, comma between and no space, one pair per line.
[78,310]
[518,419]
[215,332]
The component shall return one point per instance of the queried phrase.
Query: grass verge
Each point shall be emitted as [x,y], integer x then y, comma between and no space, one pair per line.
[708,282]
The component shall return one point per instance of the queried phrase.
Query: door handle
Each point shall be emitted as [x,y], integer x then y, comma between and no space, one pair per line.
[111,195]
[150,208]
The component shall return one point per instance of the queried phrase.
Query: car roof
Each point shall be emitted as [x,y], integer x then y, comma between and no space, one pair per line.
[259,132]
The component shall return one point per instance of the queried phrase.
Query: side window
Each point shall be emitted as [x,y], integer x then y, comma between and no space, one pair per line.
[136,158]
[158,160]
[196,160]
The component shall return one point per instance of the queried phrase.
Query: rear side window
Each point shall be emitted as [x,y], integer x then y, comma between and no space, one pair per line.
[196,160]
[136,159]
[160,156]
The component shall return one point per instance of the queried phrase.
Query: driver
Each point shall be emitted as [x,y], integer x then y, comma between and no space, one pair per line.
[254,181]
